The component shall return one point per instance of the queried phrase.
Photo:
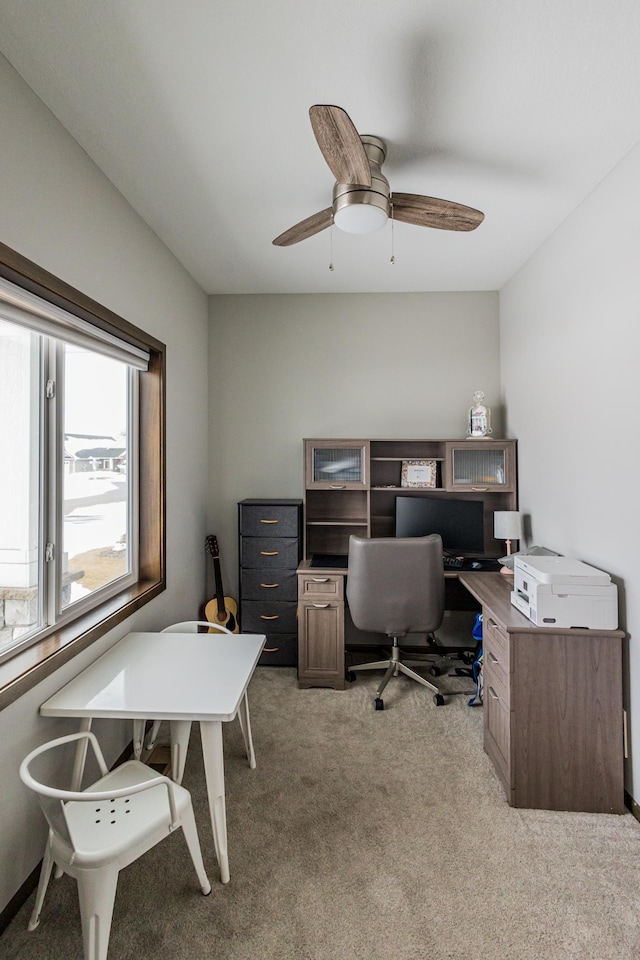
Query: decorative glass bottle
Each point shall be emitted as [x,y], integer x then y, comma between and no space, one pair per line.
[479,418]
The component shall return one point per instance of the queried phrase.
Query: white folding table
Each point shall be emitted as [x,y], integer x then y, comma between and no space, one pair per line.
[179,677]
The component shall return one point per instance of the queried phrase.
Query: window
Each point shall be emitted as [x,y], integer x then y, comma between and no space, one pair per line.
[81,535]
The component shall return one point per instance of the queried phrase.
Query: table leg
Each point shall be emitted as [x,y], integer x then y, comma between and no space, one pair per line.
[245,726]
[211,736]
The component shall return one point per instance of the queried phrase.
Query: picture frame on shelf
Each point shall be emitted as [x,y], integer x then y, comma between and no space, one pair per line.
[419,474]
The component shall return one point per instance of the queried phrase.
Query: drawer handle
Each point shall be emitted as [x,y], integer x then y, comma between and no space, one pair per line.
[493,694]
[320,579]
[270,649]
[492,623]
[270,521]
[269,553]
[337,486]
[480,489]
[274,616]
[321,606]
[492,658]
[269,586]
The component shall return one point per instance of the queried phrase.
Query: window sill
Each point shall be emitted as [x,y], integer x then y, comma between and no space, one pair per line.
[26,669]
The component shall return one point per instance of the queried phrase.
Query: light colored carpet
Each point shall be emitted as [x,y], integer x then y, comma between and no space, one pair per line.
[367,835]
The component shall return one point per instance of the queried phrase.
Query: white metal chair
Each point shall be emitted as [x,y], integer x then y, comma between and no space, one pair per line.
[94,833]
[181,729]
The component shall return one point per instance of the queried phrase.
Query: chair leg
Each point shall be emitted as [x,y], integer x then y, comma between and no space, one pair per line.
[245,726]
[97,894]
[43,883]
[180,732]
[138,738]
[153,736]
[193,843]
[377,665]
[391,671]
[403,668]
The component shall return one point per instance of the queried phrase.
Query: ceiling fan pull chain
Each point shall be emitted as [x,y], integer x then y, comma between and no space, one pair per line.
[393,256]
[331,247]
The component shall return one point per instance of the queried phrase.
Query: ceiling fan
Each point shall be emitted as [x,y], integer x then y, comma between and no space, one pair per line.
[362,201]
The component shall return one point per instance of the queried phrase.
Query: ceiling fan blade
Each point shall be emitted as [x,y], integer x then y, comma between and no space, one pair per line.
[431,212]
[340,144]
[306,228]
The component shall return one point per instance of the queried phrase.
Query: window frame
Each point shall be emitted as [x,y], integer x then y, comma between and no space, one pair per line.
[29,666]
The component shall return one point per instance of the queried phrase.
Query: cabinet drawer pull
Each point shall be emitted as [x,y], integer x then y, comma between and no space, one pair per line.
[270,521]
[480,489]
[320,579]
[337,486]
[492,658]
[263,616]
[493,694]
[270,649]
[321,606]
[269,553]
[269,586]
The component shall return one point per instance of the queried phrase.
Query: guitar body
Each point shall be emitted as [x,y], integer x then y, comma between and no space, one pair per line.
[227,616]
[221,610]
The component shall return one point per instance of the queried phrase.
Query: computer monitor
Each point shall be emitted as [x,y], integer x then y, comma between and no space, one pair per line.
[459,522]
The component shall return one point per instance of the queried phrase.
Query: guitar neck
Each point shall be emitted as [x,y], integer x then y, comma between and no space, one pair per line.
[219,591]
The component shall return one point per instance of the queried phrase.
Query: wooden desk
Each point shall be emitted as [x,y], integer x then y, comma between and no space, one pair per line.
[178,677]
[553,716]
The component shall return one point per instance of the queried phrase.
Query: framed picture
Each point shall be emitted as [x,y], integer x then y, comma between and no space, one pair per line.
[419,473]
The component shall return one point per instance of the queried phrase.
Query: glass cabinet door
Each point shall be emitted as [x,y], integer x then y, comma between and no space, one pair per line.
[336,464]
[481,465]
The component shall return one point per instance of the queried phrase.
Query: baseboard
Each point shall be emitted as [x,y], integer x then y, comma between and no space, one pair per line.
[20,898]
[632,805]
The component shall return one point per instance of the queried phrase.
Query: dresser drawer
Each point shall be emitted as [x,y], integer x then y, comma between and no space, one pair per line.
[280,650]
[265,617]
[325,587]
[278,584]
[269,520]
[268,552]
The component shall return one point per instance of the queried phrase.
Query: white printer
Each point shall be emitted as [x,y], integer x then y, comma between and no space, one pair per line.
[561,592]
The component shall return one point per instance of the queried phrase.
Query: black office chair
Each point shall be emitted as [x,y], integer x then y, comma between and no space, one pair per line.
[396,586]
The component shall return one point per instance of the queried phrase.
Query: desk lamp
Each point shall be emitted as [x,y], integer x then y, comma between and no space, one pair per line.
[507,526]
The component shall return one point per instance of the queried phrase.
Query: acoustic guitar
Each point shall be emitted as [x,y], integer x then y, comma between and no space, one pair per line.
[221,610]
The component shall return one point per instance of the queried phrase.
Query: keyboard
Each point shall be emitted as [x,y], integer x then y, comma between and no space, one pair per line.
[453,563]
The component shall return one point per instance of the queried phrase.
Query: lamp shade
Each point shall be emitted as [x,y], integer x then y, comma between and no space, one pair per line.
[507,525]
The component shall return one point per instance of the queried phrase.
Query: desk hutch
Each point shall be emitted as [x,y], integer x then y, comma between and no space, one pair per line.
[350,488]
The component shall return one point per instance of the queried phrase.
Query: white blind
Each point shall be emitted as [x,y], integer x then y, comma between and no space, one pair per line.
[25,308]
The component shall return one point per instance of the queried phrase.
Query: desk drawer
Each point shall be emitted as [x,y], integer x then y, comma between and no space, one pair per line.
[269,520]
[496,638]
[275,584]
[264,617]
[323,586]
[268,552]
[497,722]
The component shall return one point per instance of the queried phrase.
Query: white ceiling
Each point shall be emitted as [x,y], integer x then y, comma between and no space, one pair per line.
[197,111]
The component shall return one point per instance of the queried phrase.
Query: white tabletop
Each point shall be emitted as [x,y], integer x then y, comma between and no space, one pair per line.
[170,676]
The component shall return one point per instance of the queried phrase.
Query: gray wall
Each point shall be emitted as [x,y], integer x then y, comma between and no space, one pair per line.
[569,341]
[335,365]
[61,212]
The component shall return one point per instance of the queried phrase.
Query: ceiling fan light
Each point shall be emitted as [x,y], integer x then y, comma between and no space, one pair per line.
[360,218]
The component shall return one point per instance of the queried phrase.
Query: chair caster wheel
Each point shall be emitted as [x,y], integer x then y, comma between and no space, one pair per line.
[379,703]
[435,671]
[438,699]
[350,676]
